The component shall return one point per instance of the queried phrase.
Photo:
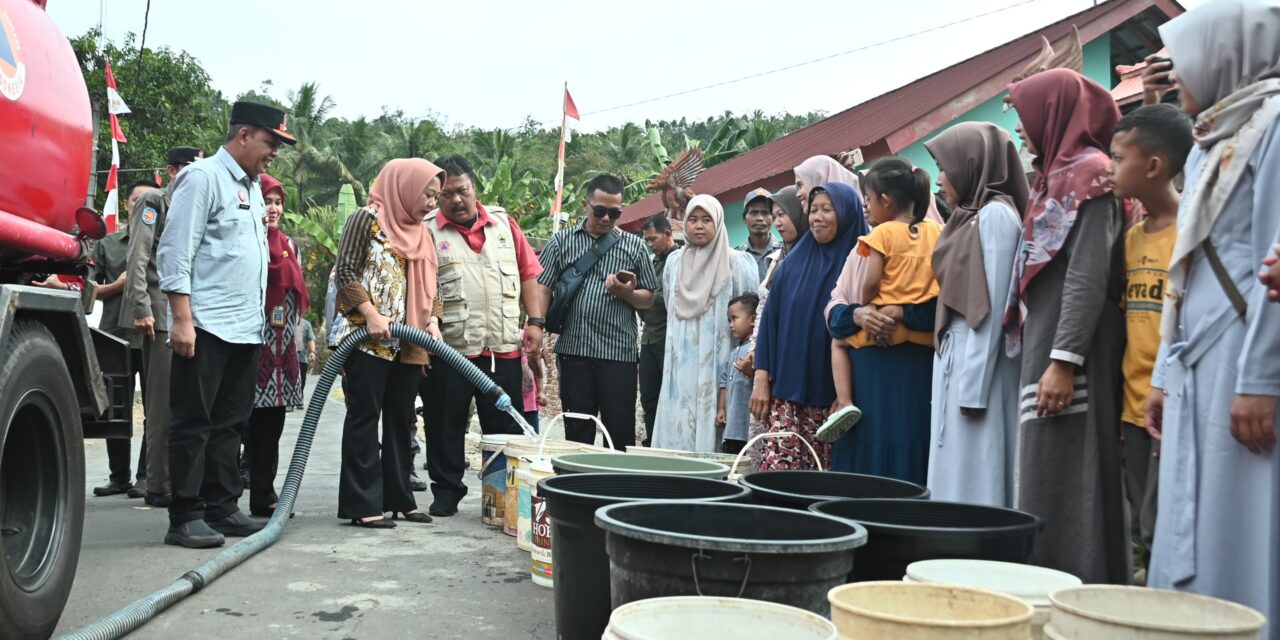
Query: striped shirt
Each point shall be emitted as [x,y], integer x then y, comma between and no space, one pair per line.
[599,325]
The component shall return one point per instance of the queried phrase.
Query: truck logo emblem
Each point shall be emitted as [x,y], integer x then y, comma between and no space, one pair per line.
[13,73]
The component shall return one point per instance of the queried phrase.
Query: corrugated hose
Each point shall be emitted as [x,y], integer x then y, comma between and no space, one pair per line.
[138,612]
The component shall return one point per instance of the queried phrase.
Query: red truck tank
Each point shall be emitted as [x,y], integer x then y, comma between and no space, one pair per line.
[46,133]
[60,380]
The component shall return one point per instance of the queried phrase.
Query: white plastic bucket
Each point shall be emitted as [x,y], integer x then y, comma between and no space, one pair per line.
[493,478]
[916,611]
[1133,613]
[532,469]
[1027,583]
[715,619]
[540,569]
[518,449]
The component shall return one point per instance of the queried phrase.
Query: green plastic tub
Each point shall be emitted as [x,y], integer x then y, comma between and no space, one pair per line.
[632,463]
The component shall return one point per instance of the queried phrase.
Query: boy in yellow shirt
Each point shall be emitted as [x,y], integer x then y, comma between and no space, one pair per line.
[1147,153]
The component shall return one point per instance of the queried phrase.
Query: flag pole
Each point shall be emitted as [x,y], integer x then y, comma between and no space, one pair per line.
[559,200]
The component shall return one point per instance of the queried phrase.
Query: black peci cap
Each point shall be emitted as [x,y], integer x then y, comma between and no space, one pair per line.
[265,116]
[179,156]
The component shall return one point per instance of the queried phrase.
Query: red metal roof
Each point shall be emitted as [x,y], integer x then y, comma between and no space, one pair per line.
[886,124]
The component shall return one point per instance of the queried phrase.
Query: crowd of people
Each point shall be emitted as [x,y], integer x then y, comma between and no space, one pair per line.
[1090,341]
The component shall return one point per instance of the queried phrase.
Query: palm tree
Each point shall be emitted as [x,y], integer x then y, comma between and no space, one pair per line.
[624,149]
[492,147]
[313,155]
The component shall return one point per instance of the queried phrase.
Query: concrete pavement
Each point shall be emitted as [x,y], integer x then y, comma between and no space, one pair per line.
[453,578]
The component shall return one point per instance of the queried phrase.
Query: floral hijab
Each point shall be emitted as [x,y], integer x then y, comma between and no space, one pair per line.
[1069,119]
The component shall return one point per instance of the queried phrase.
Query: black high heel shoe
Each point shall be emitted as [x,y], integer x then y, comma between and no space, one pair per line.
[380,523]
[416,516]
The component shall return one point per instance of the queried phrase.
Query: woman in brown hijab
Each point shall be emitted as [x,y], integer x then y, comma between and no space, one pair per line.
[975,386]
[386,272]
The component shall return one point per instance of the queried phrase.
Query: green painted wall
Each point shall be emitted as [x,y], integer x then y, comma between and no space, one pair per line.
[1097,65]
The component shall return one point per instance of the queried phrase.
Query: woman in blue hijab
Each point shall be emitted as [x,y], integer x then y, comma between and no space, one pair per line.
[794,389]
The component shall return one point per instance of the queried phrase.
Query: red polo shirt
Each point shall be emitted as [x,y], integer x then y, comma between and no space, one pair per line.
[526,259]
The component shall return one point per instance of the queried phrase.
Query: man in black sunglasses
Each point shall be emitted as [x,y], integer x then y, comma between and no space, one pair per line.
[598,347]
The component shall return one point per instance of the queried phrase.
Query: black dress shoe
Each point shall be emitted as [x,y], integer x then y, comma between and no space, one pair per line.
[138,490]
[265,512]
[415,483]
[158,500]
[237,524]
[112,488]
[443,511]
[193,535]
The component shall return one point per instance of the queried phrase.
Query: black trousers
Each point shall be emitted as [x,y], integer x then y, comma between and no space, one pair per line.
[599,387]
[265,426]
[213,396]
[118,448]
[445,410]
[375,478]
[651,356]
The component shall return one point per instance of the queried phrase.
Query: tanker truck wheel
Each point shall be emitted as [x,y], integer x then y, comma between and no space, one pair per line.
[41,482]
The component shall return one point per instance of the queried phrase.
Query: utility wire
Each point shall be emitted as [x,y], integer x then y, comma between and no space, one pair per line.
[739,79]
[809,62]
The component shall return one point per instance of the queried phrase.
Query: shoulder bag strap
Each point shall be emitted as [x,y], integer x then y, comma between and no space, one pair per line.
[588,261]
[1224,279]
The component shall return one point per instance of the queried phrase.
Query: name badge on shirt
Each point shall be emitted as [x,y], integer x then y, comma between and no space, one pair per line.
[243,207]
[277,316]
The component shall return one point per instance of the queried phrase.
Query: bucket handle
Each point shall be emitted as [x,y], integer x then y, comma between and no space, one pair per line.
[542,441]
[777,434]
[699,555]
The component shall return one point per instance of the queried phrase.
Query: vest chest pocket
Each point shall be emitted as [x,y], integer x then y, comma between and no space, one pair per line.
[450,285]
[510,279]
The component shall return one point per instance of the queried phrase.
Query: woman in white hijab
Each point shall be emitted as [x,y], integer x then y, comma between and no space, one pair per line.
[702,278]
[1218,532]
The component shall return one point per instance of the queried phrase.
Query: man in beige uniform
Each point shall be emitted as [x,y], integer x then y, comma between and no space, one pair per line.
[487,273]
[146,309]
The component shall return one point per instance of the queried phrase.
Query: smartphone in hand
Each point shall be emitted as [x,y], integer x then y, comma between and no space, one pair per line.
[625,277]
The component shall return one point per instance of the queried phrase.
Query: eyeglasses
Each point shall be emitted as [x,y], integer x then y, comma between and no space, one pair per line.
[601,212]
[448,196]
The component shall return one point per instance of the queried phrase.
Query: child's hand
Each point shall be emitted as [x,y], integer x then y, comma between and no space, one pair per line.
[721,419]
[1153,413]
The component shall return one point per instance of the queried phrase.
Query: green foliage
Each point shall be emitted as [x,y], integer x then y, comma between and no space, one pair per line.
[170,97]
[327,175]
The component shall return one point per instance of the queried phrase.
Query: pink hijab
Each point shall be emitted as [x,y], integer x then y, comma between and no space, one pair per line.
[394,195]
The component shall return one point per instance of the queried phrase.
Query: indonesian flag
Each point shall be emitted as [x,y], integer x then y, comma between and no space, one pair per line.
[570,112]
[115,107]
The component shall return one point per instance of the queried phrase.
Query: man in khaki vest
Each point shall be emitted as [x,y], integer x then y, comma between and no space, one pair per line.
[487,273]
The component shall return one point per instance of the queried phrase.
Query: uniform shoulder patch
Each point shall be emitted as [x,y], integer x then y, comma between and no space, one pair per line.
[149,216]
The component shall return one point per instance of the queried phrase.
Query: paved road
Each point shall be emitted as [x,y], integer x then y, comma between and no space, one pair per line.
[324,579]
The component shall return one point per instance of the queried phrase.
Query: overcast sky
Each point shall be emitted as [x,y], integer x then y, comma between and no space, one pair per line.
[491,63]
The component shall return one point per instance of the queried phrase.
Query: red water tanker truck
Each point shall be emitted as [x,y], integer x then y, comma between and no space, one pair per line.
[60,380]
